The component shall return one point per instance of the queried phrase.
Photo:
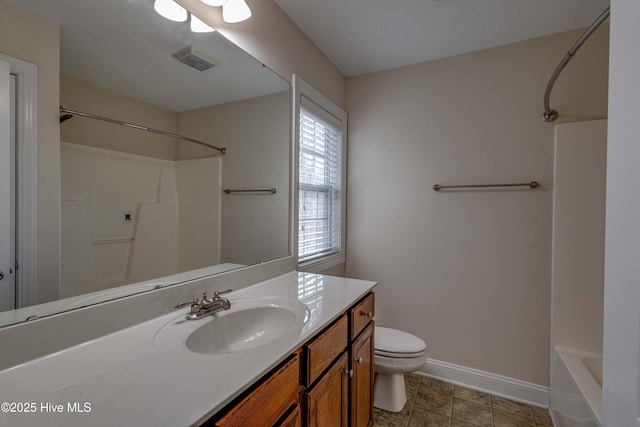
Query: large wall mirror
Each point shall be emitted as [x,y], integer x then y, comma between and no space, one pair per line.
[141,210]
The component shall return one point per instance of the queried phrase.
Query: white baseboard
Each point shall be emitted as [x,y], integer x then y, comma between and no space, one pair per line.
[487,382]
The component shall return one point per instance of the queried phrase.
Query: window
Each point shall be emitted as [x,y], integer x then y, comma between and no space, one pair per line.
[320,131]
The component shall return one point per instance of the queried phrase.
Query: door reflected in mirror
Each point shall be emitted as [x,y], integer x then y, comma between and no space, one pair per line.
[139,209]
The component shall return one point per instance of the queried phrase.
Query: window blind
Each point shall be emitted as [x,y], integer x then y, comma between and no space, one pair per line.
[320,183]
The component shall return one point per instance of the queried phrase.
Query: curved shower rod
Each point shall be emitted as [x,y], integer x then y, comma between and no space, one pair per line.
[550,115]
[71,113]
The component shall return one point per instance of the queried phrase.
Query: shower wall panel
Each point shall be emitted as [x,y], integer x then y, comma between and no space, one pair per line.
[577,272]
[128,218]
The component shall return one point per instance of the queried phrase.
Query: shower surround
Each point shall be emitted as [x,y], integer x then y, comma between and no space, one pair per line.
[128,218]
[577,289]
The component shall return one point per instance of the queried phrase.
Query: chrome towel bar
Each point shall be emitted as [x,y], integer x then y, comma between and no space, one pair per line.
[532,185]
[268,190]
[112,241]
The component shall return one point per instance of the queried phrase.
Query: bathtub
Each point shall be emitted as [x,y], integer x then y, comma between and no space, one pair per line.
[576,388]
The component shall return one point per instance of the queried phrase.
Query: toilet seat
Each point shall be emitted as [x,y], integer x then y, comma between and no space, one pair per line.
[394,343]
[399,355]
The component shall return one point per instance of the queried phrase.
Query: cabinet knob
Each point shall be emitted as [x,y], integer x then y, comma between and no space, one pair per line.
[367,314]
[349,372]
[359,360]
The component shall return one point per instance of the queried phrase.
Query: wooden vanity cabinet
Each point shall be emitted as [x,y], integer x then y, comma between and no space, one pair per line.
[362,381]
[327,402]
[292,419]
[352,378]
[324,349]
[361,315]
[273,397]
[328,382]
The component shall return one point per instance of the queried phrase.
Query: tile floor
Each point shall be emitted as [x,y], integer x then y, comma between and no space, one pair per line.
[433,403]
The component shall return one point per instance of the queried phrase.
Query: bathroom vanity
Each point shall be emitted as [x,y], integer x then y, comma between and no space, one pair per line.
[326,382]
[293,350]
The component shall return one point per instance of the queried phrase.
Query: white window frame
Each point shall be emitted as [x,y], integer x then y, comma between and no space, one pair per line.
[302,89]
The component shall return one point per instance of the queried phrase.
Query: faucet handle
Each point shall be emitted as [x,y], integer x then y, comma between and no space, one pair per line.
[195,305]
[217,294]
[182,304]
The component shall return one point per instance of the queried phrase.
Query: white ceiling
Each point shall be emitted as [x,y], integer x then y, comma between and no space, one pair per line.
[364,36]
[125,46]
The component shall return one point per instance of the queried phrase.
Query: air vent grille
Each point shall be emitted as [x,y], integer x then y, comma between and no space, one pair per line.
[195,58]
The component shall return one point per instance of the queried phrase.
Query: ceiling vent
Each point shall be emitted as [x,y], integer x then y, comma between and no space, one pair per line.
[195,58]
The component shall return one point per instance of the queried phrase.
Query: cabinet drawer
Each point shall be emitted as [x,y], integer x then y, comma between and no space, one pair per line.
[324,349]
[269,401]
[362,314]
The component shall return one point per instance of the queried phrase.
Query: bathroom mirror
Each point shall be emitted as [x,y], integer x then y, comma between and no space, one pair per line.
[141,210]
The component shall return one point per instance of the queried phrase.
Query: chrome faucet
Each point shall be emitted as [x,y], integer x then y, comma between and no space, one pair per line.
[206,306]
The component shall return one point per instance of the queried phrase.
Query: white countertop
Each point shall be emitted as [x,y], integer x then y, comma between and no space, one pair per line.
[127,379]
[18,315]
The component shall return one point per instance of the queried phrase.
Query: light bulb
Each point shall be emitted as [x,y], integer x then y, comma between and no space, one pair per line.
[235,11]
[170,10]
[216,3]
[197,26]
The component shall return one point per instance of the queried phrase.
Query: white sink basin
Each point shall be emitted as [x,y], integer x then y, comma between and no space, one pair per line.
[241,330]
[250,323]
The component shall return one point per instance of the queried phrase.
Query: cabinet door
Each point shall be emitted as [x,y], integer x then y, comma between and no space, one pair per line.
[362,381]
[328,401]
[293,419]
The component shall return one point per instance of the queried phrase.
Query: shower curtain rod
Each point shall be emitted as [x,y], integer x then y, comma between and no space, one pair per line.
[550,115]
[132,125]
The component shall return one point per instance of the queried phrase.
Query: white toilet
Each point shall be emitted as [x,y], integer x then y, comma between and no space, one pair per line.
[396,353]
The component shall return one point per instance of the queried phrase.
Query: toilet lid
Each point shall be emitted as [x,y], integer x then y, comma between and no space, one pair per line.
[389,340]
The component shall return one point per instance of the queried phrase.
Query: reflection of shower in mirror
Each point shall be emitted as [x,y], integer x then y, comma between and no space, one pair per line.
[102,249]
[92,173]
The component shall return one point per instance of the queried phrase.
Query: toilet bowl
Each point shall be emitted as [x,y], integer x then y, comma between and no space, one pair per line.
[396,353]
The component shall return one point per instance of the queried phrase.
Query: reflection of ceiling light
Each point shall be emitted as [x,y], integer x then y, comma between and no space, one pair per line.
[197,26]
[170,10]
[235,11]
[214,2]
[232,11]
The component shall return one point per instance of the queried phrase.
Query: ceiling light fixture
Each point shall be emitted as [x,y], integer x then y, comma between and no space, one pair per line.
[197,26]
[170,10]
[235,11]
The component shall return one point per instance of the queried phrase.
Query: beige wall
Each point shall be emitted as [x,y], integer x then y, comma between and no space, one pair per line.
[31,38]
[272,38]
[82,96]
[256,134]
[469,272]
